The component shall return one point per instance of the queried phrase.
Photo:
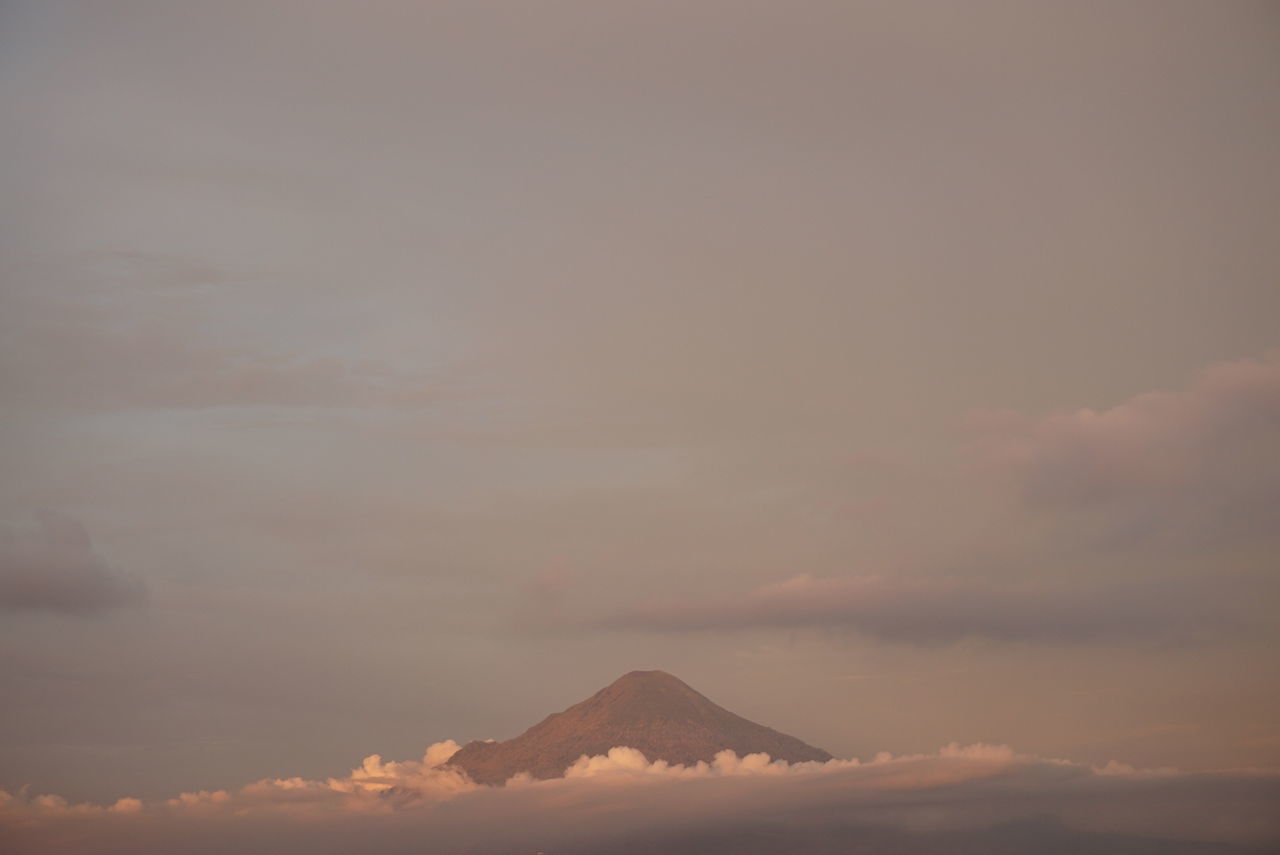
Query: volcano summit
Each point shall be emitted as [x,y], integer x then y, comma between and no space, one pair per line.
[650,711]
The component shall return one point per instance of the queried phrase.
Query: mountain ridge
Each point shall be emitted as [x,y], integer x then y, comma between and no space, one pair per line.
[651,711]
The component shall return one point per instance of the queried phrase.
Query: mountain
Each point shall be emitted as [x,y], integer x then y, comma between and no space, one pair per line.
[651,711]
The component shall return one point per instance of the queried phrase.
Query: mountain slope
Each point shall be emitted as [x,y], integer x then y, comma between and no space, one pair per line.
[650,711]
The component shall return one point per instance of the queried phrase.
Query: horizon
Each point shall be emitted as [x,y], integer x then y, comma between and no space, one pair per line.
[375,378]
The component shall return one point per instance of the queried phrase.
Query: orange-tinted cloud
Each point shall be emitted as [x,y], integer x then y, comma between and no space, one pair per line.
[616,802]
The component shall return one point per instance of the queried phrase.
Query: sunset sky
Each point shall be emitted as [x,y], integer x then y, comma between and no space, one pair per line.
[376,374]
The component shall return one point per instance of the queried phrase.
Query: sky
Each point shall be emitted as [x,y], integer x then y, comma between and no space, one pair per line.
[379,374]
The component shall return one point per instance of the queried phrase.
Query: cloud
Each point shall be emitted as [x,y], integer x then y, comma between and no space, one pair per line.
[1177,471]
[1203,461]
[944,610]
[151,344]
[52,566]
[620,802]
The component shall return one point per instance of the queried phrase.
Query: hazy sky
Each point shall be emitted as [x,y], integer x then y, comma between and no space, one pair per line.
[380,373]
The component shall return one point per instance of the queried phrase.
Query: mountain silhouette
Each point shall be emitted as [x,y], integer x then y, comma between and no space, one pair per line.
[650,711]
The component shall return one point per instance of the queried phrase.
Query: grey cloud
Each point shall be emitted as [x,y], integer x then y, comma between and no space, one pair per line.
[933,611]
[53,567]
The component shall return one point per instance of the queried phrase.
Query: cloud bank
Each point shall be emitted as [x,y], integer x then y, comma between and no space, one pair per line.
[53,567]
[620,802]
[944,610]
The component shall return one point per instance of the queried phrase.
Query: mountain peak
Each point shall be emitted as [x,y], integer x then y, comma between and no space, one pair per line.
[654,676]
[653,712]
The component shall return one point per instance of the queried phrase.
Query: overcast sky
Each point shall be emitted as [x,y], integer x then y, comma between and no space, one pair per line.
[380,373]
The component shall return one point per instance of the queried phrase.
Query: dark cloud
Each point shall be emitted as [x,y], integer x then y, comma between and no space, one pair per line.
[931,611]
[53,567]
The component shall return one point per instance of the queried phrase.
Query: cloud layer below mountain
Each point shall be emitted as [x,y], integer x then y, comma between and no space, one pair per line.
[620,801]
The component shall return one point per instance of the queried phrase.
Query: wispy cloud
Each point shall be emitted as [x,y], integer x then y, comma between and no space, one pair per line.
[149,340]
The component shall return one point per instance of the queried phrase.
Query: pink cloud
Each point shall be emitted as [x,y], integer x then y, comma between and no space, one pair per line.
[1218,440]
